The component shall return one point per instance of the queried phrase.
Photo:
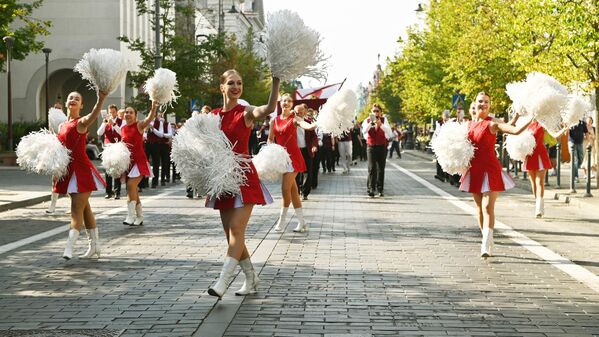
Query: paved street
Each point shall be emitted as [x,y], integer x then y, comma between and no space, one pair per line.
[404,265]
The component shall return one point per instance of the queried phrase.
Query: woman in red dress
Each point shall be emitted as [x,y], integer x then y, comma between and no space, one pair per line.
[82,178]
[485,178]
[283,132]
[537,165]
[235,211]
[132,135]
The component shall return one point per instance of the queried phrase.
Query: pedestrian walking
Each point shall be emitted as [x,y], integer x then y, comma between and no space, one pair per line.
[589,140]
[345,151]
[377,133]
[307,141]
[284,133]
[140,167]
[82,177]
[395,142]
[575,145]
[485,178]
[235,211]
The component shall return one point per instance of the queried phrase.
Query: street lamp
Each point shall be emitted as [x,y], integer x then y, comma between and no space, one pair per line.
[419,9]
[47,52]
[9,40]
[157,55]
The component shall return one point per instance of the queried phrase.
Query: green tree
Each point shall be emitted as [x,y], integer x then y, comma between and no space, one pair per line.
[16,20]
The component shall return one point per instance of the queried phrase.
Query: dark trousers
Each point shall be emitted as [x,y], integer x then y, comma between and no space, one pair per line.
[316,167]
[112,182]
[304,179]
[153,152]
[327,159]
[165,162]
[377,156]
[395,146]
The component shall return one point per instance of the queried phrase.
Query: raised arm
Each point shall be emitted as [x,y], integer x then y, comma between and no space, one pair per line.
[509,129]
[303,124]
[258,112]
[141,126]
[85,121]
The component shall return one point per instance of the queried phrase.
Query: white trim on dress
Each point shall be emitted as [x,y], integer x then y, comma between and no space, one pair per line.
[238,203]
[72,188]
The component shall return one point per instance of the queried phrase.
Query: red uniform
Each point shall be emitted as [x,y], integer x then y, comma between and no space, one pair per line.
[485,173]
[253,192]
[539,159]
[286,136]
[82,176]
[135,143]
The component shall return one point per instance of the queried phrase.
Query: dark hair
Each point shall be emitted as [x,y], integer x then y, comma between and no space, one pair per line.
[78,93]
[113,106]
[378,106]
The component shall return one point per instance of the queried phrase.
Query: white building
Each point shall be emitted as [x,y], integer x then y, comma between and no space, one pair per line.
[78,26]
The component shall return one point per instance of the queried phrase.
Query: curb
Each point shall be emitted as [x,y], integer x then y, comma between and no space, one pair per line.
[24,203]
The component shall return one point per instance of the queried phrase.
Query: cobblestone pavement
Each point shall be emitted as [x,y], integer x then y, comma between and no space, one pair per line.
[403,265]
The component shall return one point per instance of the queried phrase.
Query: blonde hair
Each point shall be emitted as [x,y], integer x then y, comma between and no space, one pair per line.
[223,77]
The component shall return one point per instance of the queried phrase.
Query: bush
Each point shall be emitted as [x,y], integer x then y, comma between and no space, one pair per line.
[19,129]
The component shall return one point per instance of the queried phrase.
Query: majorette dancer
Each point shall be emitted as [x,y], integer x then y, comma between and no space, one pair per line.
[235,211]
[537,165]
[82,177]
[132,134]
[283,132]
[485,178]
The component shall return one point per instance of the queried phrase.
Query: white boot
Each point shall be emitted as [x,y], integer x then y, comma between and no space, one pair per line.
[251,278]
[301,223]
[540,208]
[487,243]
[226,276]
[130,213]
[139,215]
[68,249]
[52,206]
[282,215]
[94,244]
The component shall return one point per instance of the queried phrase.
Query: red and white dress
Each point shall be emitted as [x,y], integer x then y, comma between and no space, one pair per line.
[286,136]
[485,173]
[539,159]
[135,142]
[82,176]
[253,191]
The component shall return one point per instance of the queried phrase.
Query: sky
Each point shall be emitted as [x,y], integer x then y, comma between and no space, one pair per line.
[353,32]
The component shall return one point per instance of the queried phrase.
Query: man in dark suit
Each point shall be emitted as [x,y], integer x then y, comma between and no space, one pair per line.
[308,144]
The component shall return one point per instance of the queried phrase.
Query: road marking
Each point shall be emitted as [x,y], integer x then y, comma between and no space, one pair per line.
[577,272]
[41,236]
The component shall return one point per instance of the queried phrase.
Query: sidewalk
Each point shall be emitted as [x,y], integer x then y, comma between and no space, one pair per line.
[20,189]
[562,194]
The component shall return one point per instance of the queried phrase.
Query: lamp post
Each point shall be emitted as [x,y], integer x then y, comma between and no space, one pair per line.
[157,55]
[47,52]
[9,40]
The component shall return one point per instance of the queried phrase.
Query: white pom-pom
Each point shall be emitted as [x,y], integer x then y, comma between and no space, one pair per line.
[204,156]
[453,149]
[576,109]
[291,48]
[55,118]
[105,69]
[337,113]
[520,146]
[41,152]
[116,159]
[542,96]
[272,162]
[162,87]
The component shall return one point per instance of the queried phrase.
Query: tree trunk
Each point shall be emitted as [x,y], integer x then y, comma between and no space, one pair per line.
[597,136]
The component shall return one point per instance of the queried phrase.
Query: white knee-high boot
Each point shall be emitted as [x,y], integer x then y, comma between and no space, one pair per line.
[251,278]
[487,242]
[68,249]
[226,276]
[93,248]
[130,213]
[52,206]
[282,216]
[539,207]
[139,215]
[301,223]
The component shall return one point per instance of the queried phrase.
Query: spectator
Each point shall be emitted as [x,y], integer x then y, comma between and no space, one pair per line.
[575,140]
